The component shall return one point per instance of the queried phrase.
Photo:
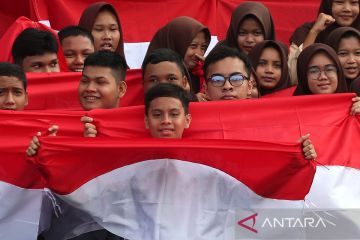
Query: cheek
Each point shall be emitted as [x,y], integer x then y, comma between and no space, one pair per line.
[259,39]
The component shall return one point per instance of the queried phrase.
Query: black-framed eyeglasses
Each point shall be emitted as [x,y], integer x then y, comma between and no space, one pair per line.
[315,72]
[235,79]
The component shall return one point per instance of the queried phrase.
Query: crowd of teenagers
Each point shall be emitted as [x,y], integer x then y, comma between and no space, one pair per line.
[322,57]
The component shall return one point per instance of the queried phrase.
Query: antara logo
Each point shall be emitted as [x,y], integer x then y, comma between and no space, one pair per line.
[250,228]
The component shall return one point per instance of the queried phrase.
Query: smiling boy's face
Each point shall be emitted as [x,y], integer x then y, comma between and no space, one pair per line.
[166,118]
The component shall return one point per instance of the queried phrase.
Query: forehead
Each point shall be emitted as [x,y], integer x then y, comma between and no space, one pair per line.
[250,22]
[98,72]
[162,69]
[10,82]
[77,42]
[46,58]
[270,52]
[227,66]
[320,59]
[200,37]
[350,41]
[105,17]
[166,103]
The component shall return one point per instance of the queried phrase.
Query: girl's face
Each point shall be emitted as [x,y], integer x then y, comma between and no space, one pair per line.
[349,56]
[268,69]
[345,11]
[106,32]
[254,87]
[196,50]
[322,74]
[250,33]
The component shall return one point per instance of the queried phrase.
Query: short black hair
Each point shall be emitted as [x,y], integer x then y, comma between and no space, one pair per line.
[164,55]
[12,70]
[74,31]
[108,59]
[33,42]
[220,52]
[167,90]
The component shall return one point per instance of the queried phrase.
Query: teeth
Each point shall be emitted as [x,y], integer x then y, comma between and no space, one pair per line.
[90,98]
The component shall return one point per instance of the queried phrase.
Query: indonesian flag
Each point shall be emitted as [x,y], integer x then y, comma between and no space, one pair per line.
[220,181]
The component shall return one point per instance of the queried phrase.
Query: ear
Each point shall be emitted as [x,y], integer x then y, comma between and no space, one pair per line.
[187,120]
[122,89]
[146,121]
[250,87]
[26,99]
[185,82]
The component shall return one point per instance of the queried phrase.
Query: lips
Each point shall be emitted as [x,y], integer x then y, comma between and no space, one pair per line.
[248,48]
[106,46]
[268,79]
[91,98]
[324,86]
[352,70]
[228,97]
[166,131]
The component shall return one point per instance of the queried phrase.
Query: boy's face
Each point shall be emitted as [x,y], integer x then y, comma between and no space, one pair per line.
[163,72]
[47,62]
[166,118]
[98,88]
[76,49]
[227,67]
[12,94]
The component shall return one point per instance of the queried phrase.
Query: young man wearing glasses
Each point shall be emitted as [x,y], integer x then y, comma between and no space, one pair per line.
[227,73]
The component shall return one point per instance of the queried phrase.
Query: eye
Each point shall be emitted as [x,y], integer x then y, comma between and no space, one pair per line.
[172,78]
[204,47]
[357,53]
[242,33]
[175,114]
[84,80]
[53,64]
[277,65]
[258,33]
[262,63]
[153,80]
[36,65]
[156,115]
[18,92]
[193,46]
[2,91]
[342,53]
[355,3]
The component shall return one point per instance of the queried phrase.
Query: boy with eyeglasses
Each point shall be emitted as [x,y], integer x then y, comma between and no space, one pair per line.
[227,74]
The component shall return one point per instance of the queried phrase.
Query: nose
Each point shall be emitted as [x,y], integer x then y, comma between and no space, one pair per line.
[269,68]
[351,58]
[9,101]
[47,69]
[323,76]
[79,59]
[166,119]
[347,6]
[91,87]
[249,38]
[107,34]
[227,86]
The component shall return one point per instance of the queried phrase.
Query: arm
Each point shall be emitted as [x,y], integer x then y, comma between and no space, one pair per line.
[322,22]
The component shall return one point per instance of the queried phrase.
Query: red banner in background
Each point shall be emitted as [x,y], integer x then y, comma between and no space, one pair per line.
[141,19]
